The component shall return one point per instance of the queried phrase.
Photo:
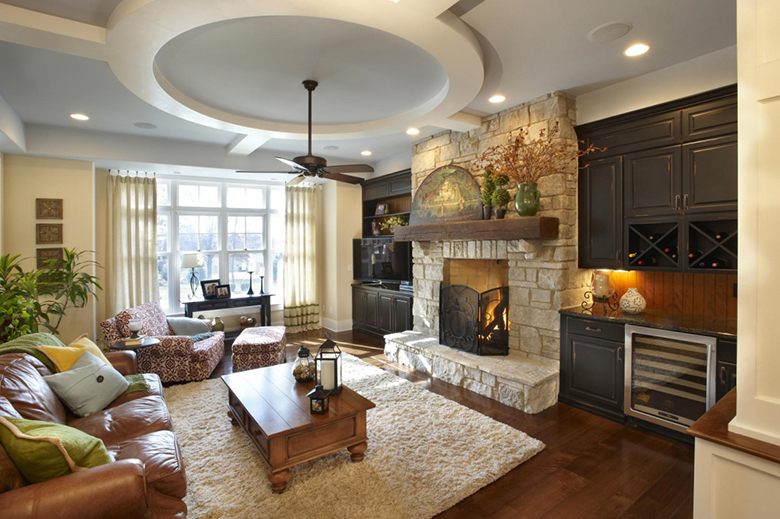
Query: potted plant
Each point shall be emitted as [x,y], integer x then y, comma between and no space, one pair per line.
[41,298]
[393,222]
[486,193]
[500,199]
[526,160]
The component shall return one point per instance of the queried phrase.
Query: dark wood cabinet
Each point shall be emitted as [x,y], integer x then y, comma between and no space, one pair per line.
[394,192]
[601,214]
[709,175]
[593,366]
[726,367]
[653,182]
[678,163]
[380,311]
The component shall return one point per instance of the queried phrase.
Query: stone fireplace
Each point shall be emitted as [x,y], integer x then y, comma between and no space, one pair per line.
[541,274]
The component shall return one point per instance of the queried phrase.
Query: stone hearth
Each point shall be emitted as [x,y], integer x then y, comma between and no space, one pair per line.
[542,273]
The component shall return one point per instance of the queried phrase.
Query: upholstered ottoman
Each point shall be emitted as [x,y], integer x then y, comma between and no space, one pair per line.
[259,347]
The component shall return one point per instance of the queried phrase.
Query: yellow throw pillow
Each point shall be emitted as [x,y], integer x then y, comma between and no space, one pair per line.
[65,358]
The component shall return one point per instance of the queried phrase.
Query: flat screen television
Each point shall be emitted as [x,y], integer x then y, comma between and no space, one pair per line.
[382,259]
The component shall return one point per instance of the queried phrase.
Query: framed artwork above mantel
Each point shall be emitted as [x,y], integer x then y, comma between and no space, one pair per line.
[448,194]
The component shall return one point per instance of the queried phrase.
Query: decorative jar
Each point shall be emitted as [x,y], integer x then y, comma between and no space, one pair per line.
[527,199]
[632,302]
[303,367]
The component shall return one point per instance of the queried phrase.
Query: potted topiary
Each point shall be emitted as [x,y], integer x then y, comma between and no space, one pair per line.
[486,193]
[500,199]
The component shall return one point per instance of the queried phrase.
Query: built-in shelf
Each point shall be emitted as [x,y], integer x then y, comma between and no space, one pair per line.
[388,215]
[532,227]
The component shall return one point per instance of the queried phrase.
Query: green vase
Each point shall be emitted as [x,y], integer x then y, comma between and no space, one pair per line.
[527,199]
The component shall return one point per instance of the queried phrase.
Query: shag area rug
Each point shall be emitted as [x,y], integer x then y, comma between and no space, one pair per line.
[425,453]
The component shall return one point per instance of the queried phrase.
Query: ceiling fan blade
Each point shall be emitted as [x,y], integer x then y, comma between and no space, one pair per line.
[349,168]
[297,180]
[342,178]
[274,172]
[292,164]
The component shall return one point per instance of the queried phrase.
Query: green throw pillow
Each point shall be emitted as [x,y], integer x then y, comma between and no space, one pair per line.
[43,450]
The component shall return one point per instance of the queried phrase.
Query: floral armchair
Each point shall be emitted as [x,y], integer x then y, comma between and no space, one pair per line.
[177,358]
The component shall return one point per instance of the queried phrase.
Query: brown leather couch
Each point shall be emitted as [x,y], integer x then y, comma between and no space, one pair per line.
[147,479]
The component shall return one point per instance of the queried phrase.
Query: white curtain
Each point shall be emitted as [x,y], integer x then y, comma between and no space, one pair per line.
[301,283]
[131,270]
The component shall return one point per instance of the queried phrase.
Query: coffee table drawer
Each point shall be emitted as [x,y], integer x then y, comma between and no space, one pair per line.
[303,443]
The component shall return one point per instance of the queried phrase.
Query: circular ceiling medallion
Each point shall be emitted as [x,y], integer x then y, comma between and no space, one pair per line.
[253,67]
[609,31]
[238,66]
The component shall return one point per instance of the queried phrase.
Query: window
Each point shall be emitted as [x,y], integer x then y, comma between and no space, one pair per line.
[237,228]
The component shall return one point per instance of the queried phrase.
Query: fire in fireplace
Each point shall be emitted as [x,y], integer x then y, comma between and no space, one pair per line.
[474,322]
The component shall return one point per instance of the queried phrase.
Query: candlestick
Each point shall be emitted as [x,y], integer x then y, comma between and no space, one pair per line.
[250,291]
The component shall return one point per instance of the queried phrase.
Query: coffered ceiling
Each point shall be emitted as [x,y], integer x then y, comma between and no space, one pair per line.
[227,75]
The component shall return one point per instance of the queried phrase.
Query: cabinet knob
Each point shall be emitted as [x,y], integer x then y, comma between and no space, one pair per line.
[619,353]
[592,329]
[685,203]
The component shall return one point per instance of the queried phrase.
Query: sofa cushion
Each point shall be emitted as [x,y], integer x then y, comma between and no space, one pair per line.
[10,477]
[155,322]
[160,454]
[43,450]
[22,383]
[155,389]
[89,386]
[125,421]
[64,358]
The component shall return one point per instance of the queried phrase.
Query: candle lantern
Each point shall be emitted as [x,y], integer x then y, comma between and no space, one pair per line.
[601,291]
[327,367]
[319,400]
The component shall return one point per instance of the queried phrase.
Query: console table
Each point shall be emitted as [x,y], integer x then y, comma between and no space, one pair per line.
[205,305]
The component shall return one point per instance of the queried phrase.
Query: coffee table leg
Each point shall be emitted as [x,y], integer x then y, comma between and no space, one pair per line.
[358,451]
[279,480]
[232,418]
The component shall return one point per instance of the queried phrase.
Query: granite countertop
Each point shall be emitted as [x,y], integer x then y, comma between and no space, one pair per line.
[701,324]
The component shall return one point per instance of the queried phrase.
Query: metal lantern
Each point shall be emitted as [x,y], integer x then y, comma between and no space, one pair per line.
[327,367]
[319,400]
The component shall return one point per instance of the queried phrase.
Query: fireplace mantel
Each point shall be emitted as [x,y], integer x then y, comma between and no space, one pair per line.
[532,227]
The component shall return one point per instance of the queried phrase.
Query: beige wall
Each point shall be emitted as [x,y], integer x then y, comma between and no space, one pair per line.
[26,178]
[342,223]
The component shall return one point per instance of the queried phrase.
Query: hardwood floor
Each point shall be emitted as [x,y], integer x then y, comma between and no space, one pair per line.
[591,467]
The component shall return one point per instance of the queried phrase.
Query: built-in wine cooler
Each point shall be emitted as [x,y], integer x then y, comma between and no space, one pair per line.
[669,378]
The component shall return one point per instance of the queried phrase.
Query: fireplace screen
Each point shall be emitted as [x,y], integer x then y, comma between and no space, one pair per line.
[473,322]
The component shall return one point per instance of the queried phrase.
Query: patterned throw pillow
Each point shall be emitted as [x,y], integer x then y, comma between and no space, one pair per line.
[44,450]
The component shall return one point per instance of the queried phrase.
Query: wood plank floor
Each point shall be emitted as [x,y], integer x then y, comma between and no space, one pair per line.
[591,467]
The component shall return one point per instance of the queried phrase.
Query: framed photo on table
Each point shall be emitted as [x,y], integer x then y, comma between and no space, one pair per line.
[209,287]
[223,291]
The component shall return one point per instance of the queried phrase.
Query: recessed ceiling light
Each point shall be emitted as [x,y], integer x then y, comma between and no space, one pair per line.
[330,148]
[413,131]
[498,98]
[365,153]
[145,126]
[79,117]
[637,49]
[609,31]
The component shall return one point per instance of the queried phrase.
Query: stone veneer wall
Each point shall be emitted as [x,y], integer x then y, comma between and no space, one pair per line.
[543,274]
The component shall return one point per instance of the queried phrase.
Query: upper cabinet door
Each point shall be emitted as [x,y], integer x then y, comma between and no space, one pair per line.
[638,134]
[708,120]
[710,175]
[601,214]
[652,182]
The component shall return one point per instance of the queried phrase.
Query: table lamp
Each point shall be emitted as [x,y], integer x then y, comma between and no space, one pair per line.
[192,261]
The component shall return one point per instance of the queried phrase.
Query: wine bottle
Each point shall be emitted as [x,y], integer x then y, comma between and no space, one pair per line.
[632,255]
[652,237]
[670,250]
[694,254]
[722,235]
[719,264]
[647,261]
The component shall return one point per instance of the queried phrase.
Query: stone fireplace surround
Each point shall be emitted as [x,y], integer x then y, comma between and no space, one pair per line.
[543,274]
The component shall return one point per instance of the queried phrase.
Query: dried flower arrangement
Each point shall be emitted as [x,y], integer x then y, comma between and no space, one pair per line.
[393,222]
[524,159]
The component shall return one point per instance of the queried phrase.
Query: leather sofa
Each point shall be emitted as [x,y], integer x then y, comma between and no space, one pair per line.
[147,478]
[177,358]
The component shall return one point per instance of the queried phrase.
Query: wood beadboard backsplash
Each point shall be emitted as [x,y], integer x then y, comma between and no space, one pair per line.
[687,293]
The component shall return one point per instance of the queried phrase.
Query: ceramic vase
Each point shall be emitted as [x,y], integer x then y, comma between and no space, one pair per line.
[527,199]
[632,302]
[218,325]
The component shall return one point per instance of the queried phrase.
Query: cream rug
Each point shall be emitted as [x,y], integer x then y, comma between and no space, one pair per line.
[425,453]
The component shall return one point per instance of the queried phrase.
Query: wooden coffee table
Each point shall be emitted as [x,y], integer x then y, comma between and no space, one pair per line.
[273,410]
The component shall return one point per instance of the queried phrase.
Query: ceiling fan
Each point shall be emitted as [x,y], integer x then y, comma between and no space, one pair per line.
[312,166]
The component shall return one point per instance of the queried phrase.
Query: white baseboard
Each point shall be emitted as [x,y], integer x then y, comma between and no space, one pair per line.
[337,326]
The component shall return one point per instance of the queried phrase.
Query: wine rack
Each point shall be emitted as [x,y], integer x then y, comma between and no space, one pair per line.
[712,246]
[654,246]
